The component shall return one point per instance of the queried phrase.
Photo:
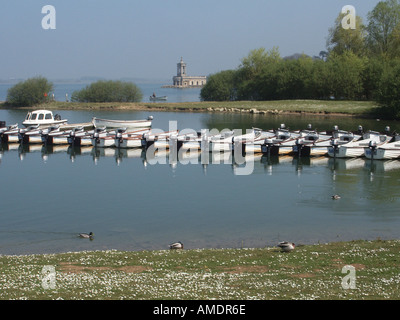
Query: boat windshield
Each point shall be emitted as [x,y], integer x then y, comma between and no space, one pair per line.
[27,116]
[33,116]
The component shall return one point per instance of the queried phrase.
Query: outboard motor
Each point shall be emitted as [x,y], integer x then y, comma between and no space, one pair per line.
[118,135]
[297,148]
[372,147]
[335,145]
[266,146]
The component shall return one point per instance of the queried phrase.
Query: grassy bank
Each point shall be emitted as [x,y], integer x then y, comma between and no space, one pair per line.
[355,108]
[308,272]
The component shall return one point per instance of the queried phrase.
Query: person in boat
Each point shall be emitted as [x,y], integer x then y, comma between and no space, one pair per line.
[154,95]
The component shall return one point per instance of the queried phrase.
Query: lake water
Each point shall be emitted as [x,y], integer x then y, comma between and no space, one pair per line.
[130,202]
[173,94]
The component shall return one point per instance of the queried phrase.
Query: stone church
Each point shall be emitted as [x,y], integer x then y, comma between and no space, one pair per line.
[182,80]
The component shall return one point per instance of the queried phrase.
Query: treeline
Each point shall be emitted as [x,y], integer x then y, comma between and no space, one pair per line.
[359,64]
[38,90]
[108,91]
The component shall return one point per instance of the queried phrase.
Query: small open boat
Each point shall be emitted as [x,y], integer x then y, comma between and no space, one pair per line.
[162,98]
[356,148]
[97,122]
[131,139]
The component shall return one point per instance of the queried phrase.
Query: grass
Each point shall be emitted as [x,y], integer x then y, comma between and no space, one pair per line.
[308,272]
[356,108]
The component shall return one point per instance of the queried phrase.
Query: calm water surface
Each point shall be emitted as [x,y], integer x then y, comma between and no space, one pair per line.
[130,202]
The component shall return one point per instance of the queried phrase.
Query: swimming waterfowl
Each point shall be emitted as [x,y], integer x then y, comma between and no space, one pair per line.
[86,235]
[336,197]
[176,245]
[286,246]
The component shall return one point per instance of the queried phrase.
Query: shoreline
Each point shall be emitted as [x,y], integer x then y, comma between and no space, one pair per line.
[362,109]
[309,272]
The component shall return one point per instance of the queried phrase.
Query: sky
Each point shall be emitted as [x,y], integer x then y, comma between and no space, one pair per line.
[145,39]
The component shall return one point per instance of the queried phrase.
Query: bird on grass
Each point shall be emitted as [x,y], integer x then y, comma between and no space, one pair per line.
[335,197]
[286,246]
[176,245]
[86,235]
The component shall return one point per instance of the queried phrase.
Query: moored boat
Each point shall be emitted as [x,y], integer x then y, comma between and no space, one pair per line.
[42,118]
[390,150]
[356,148]
[129,139]
[97,122]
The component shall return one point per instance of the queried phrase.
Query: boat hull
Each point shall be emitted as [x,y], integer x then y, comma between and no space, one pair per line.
[121,123]
[382,153]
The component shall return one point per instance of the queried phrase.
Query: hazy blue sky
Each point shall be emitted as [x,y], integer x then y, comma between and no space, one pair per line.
[146,38]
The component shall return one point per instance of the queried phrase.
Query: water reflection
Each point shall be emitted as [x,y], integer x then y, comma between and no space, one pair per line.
[254,163]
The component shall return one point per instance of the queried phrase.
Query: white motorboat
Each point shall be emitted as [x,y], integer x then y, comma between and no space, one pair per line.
[281,143]
[56,137]
[158,140]
[130,139]
[8,128]
[385,151]
[79,137]
[226,141]
[36,135]
[129,124]
[220,142]
[311,143]
[11,135]
[189,141]
[43,118]
[356,148]
[102,138]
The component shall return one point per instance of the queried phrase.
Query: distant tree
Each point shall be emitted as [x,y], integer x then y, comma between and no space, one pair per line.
[341,39]
[384,29]
[388,90]
[371,76]
[255,75]
[344,79]
[319,86]
[294,78]
[30,92]
[108,91]
[219,87]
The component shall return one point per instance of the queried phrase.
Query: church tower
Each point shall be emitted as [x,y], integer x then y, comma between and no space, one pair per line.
[181,68]
[182,80]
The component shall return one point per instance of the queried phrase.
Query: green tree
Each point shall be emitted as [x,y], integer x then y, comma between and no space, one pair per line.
[341,39]
[294,78]
[255,73]
[388,90]
[384,29]
[219,87]
[344,80]
[108,91]
[30,92]
[319,87]
[371,76]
